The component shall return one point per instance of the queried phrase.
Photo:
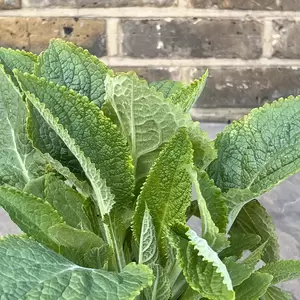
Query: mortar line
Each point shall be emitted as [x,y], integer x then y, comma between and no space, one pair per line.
[112,36]
[267,39]
[200,62]
[149,12]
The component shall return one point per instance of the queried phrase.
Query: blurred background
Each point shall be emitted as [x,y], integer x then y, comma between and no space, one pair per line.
[251,48]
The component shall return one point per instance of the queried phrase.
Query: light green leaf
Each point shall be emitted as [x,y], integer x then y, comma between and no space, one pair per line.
[148,252]
[254,287]
[202,268]
[167,87]
[252,259]
[30,271]
[75,244]
[98,257]
[68,202]
[148,120]
[253,219]
[167,190]
[188,95]
[160,289]
[260,150]
[275,293]
[68,65]
[91,137]
[33,215]
[283,270]
[239,242]
[19,162]
[210,232]
[215,201]
[17,59]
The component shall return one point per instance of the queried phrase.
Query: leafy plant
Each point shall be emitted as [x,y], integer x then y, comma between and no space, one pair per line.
[97,170]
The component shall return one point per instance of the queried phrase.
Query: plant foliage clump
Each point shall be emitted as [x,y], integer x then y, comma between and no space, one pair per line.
[97,170]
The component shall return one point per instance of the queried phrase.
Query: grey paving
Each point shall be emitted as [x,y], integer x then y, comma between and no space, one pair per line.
[283,204]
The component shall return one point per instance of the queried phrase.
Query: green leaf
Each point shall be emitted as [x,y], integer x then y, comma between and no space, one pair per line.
[19,162]
[160,289]
[260,150]
[167,87]
[68,202]
[148,252]
[201,266]
[33,215]
[89,135]
[239,242]
[31,271]
[283,270]
[215,201]
[75,244]
[254,287]
[275,293]
[17,59]
[239,271]
[253,219]
[187,96]
[98,257]
[210,232]
[167,190]
[148,120]
[68,65]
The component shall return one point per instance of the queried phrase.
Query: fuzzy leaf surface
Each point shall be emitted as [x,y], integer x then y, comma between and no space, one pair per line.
[96,137]
[167,190]
[260,150]
[202,268]
[167,87]
[275,293]
[19,162]
[68,65]
[30,271]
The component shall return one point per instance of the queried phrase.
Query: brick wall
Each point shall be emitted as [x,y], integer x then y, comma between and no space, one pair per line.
[252,48]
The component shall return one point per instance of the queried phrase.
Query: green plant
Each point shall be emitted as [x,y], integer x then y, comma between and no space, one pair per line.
[97,170]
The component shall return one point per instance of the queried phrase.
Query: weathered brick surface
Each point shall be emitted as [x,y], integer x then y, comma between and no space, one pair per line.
[192,38]
[48,3]
[120,3]
[292,5]
[14,33]
[88,33]
[286,39]
[10,4]
[152,74]
[246,87]
[34,33]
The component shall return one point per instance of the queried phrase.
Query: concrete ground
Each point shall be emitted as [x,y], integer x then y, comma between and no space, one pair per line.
[283,204]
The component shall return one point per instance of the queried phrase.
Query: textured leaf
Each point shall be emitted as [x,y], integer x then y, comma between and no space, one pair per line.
[160,289]
[95,135]
[98,257]
[167,190]
[283,270]
[68,202]
[239,242]
[214,199]
[242,270]
[260,150]
[275,293]
[33,215]
[148,252]
[253,219]
[19,162]
[32,272]
[210,232]
[75,244]
[148,120]
[254,287]
[17,59]
[68,65]
[202,268]
[187,96]
[167,87]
